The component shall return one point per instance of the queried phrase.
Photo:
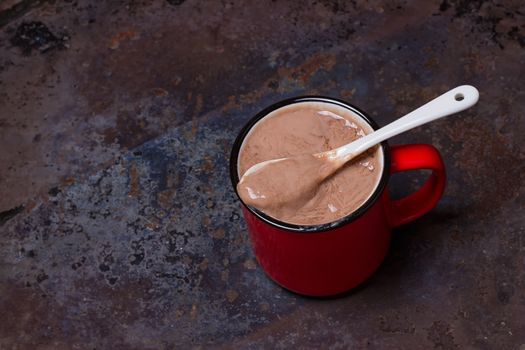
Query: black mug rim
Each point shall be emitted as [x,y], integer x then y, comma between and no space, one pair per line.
[234,156]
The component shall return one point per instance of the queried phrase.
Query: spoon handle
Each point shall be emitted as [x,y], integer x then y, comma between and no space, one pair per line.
[453,101]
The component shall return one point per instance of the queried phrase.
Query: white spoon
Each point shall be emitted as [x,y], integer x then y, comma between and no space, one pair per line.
[453,101]
[272,177]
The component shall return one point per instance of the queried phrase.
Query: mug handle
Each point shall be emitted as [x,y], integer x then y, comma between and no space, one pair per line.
[413,157]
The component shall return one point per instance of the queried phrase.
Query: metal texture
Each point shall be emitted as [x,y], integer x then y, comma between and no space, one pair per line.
[118,226]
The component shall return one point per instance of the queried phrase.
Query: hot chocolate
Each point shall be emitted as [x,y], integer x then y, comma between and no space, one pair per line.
[303,129]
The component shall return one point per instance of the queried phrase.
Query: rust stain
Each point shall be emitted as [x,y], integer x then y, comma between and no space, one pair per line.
[207,165]
[194,117]
[27,309]
[252,97]
[231,104]
[153,223]
[160,92]
[250,264]
[207,189]
[134,185]
[206,221]
[68,180]
[474,64]
[413,15]
[124,296]
[196,112]
[239,240]
[404,98]
[348,94]
[271,329]
[118,38]
[130,130]
[30,205]
[173,181]
[264,306]
[219,233]
[193,312]
[165,198]
[432,63]
[225,275]
[231,295]
[203,265]
[187,259]
[305,71]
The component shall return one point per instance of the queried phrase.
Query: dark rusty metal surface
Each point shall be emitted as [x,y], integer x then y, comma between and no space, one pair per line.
[118,227]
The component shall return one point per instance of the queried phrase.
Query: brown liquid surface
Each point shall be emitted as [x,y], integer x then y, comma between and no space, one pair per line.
[304,129]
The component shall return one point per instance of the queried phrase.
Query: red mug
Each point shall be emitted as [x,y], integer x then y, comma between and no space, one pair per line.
[329,259]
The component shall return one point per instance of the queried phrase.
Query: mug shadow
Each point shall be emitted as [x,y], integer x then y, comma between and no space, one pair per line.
[342,295]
